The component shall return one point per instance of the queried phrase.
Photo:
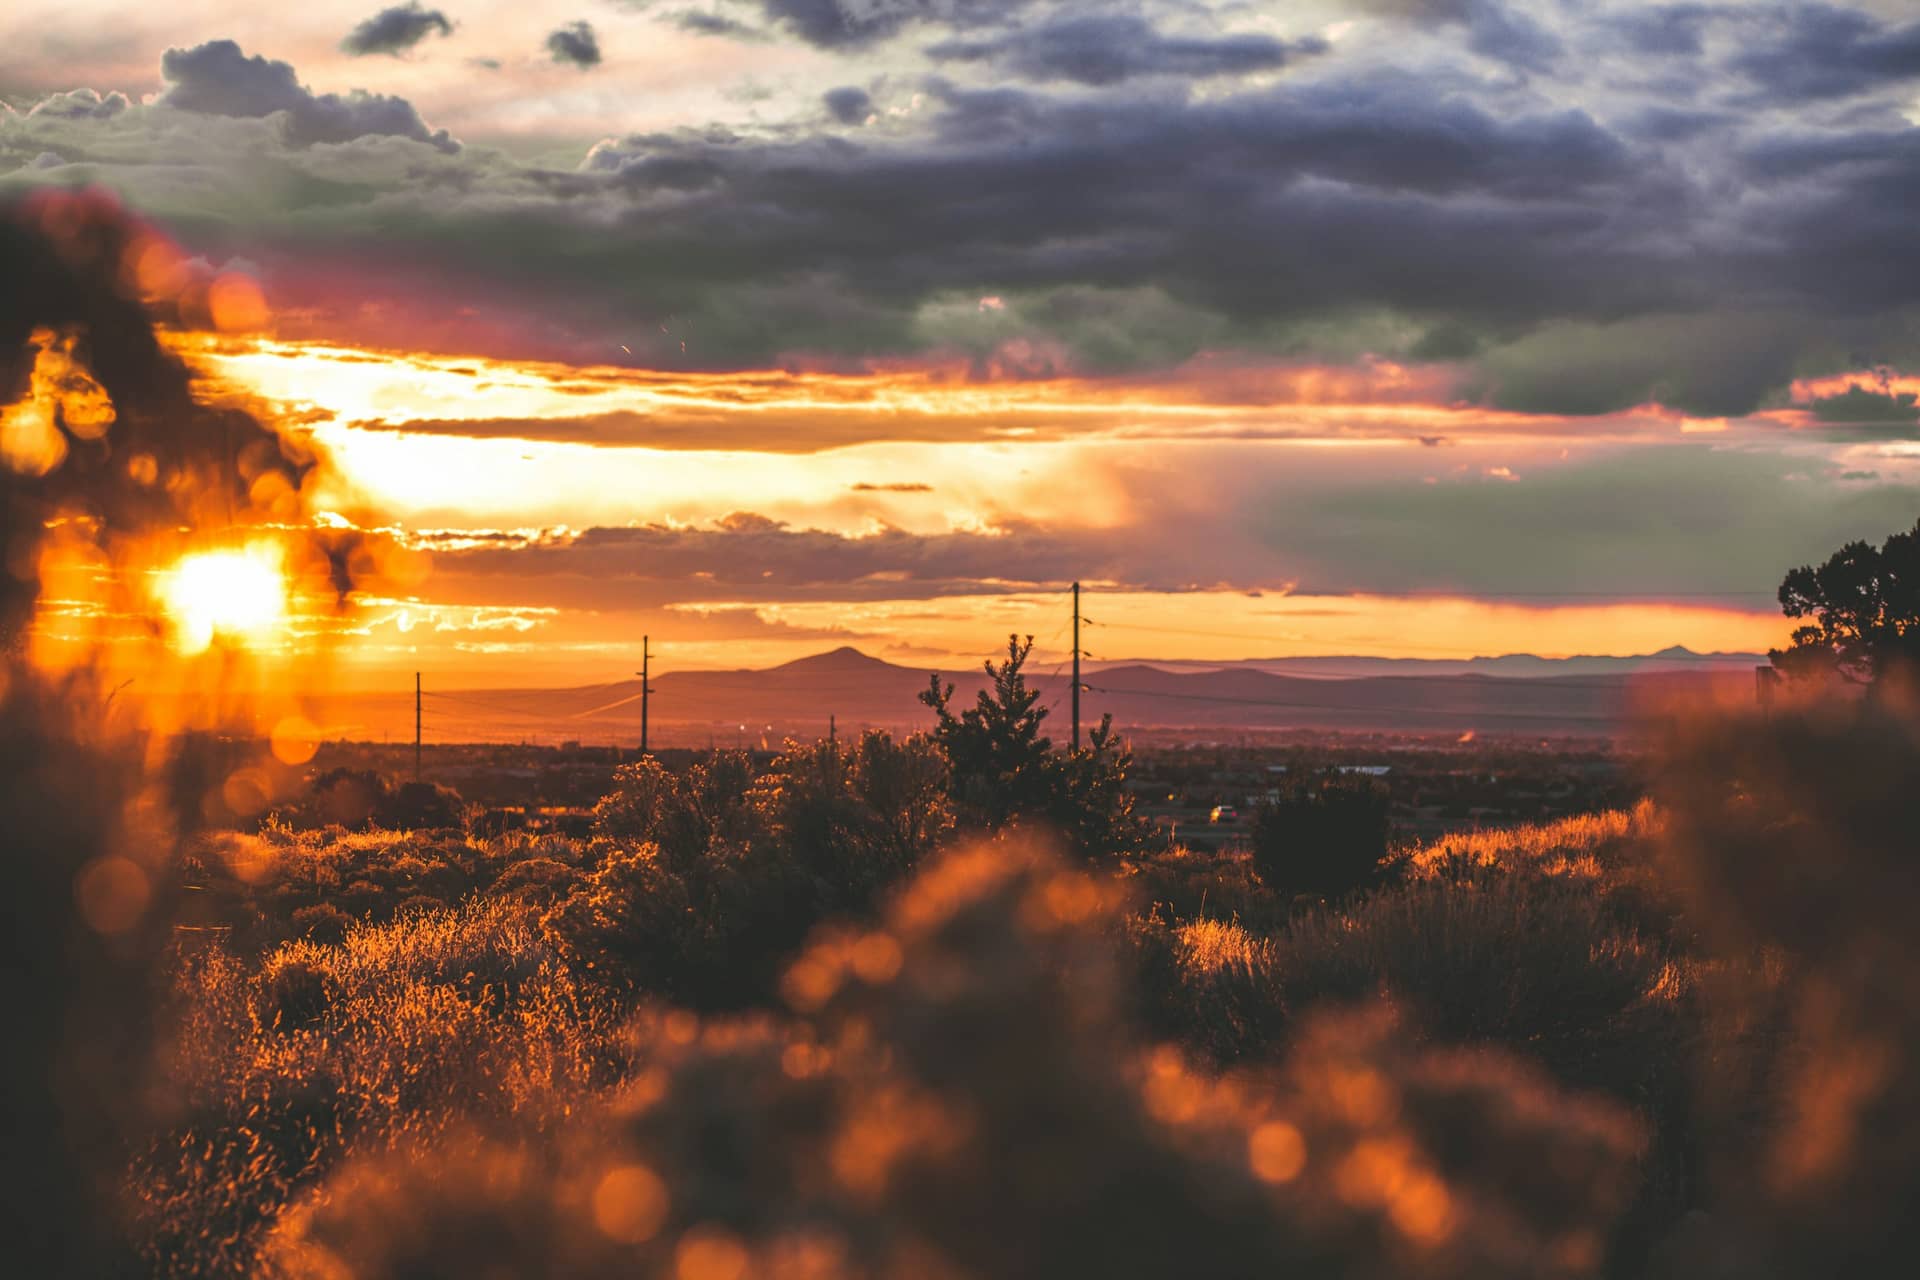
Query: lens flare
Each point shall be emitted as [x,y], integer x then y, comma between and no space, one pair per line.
[235,596]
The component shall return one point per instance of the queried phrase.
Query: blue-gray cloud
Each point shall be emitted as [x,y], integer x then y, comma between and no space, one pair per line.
[217,78]
[1493,29]
[848,104]
[575,44]
[1108,48]
[857,24]
[1820,51]
[703,22]
[396,30]
[1672,238]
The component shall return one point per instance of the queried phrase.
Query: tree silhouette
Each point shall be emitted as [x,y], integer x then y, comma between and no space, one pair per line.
[997,753]
[1865,609]
[1002,767]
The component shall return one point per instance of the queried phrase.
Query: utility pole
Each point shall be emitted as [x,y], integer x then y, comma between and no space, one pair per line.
[416,726]
[646,689]
[1076,666]
[833,729]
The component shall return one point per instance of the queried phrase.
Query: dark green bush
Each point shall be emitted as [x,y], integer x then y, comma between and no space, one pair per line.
[1327,837]
[421,806]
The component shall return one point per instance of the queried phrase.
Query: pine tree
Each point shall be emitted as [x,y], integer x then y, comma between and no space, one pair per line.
[1000,760]
[1003,767]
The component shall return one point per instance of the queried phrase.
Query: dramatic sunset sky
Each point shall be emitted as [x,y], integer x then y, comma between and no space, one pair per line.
[1405,327]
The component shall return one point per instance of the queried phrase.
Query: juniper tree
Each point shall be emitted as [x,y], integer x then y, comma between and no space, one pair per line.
[1864,603]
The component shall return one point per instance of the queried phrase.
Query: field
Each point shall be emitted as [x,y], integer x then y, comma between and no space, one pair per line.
[824,1014]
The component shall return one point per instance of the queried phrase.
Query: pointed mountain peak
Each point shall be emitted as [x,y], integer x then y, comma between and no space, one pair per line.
[842,660]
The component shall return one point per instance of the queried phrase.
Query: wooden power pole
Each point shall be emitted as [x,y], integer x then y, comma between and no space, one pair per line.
[416,726]
[1076,666]
[646,689]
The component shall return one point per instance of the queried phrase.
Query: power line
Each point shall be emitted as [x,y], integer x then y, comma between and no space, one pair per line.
[536,717]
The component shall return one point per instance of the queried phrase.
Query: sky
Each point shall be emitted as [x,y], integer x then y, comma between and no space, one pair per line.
[1427,328]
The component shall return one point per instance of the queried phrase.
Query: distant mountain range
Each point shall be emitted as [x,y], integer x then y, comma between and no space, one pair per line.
[1517,665]
[1589,696]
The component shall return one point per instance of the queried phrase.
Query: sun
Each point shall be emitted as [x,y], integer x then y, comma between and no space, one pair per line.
[234,596]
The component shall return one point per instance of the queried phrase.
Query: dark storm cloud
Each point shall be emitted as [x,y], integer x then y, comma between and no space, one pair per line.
[856,24]
[1652,244]
[1664,30]
[749,557]
[705,23]
[576,44]
[1858,406]
[1259,206]
[1707,364]
[1248,214]
[1845,209]
[1105,49]
[396,30]
[1493,30]
[849,104]
[1817,51]
[218,79]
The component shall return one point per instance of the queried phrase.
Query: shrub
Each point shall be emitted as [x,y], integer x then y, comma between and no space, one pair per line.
[710,932]
[322,922]
[1195,884]
[1792,837]
[1212,987]
[856,818]
[537,881]
[1326,838]
[956,1096]
[709,881]
[386,1039]
[421,806]
[682,814]
[295,989]
[345,797]
[1530,963]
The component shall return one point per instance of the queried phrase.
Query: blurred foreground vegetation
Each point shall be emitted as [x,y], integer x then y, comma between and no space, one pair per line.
[859,1014]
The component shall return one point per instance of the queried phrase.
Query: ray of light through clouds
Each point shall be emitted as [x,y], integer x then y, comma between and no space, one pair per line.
[1421,327]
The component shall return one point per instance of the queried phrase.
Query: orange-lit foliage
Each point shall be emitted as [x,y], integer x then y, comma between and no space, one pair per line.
[1792,837]
[956,1097]
[113,466]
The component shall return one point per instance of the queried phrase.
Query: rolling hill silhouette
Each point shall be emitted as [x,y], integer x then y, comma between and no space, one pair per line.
[858,690]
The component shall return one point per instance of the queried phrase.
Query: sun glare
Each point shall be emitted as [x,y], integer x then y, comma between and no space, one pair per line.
[235,596]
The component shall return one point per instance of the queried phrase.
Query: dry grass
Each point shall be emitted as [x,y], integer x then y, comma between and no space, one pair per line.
[403,1030]
[952,1095]
[1588,844]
